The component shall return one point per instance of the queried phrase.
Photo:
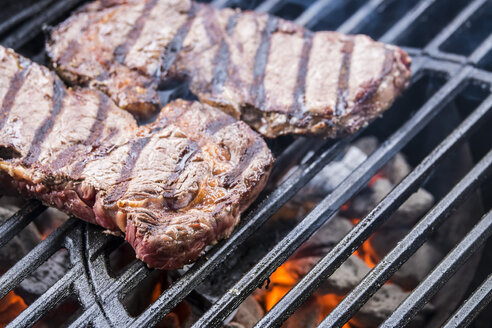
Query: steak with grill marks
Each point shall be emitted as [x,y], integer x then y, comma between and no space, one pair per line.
[275,75]
[172,187]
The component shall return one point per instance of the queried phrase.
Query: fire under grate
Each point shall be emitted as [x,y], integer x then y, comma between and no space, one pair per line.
[100,292]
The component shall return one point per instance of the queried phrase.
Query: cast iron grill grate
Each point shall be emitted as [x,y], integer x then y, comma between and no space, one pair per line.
[100,291]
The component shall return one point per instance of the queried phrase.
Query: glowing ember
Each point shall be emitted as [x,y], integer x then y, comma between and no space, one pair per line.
[367,253]
[10,307]
[375,178]
[180,314]
[320,305]
[281,281]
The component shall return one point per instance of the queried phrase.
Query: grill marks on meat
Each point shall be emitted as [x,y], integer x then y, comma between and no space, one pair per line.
[261,61]
[14,85]
[122,50]
[343,77]
[172,187]
[45,128]
[277,76]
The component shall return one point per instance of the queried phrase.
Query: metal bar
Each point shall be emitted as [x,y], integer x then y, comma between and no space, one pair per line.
[53,296]
[34,258]
[407,246]
[445,270]
[220,3]
[481,50]
[269,5]
[24,14]
[455,24]
[291,156]
[20,220]
[404,23]
[205,265]
[472,306]
[358,17]
[28,31]
[314,13]
[326,266]
[330,205]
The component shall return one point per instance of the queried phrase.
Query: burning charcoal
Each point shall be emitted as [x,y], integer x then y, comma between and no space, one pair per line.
[385,240]
[347,276]
[360,205]
[234,325]
[333,174]
[326,237]
[321,185]
[49,220]
[44,277]
[248,314]
[306,316]
[412,209]
[396,169]
[382,304]
[417,267]
[367,144]
[21,244]
[380,189]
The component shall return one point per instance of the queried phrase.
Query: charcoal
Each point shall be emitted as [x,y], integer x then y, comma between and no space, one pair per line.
[411,210]
[397,169]
[367,144]
[44,277]
[248,314]
[21,244]
[382,304]
[345,278]
[417,267]
[306,316]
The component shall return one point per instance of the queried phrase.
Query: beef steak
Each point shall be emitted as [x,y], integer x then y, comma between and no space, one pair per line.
[275,75]
[172,187]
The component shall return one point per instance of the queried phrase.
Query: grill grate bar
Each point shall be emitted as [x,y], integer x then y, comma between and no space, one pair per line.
[24,14]
[35,258]
[105,308]
[204,266]
[445,270]
[407,246]
[481,50]
[329,206]
[315,12]
[433,46]
[473,306]
[358,17]
[326,266]
[406,21]
[28,31]
[221,3]
[20,220]
[269,6]
[53,296]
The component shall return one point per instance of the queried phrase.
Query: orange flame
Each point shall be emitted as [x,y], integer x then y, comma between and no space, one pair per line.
[367,253]
[282,280]
[180,314]
[10,307]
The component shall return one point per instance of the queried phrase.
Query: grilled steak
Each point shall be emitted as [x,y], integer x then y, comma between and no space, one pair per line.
[277,76]
[173,186]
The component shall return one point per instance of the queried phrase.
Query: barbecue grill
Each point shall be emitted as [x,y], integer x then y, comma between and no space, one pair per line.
[451,46]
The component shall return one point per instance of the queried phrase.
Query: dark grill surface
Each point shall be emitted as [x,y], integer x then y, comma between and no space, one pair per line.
[448,40]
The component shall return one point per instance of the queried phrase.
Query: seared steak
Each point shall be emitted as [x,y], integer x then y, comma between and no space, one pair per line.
[277,76]
[173,186]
